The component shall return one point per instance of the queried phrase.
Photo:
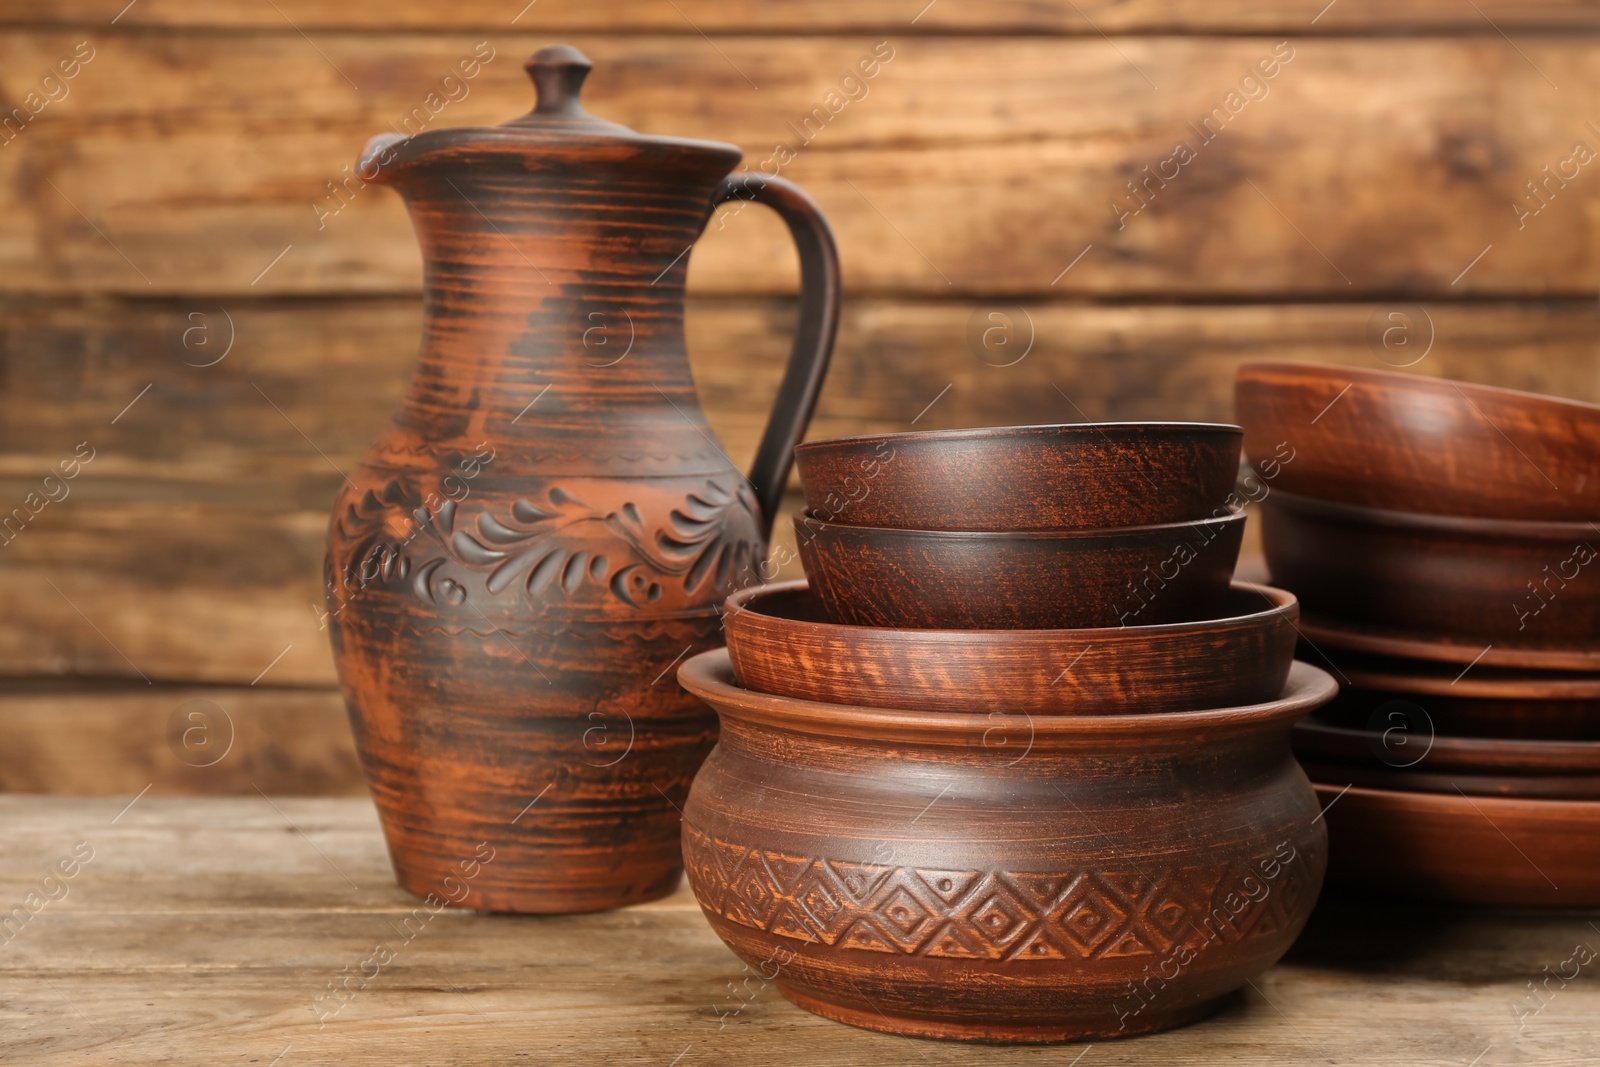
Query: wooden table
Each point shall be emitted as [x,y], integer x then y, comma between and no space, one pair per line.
[204,931]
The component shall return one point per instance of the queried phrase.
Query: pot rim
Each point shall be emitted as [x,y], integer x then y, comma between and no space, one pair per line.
[1423,522]
[991,433]
[1283,604]
[1499,754]
[1234,516]
[710,677]
[1478,808]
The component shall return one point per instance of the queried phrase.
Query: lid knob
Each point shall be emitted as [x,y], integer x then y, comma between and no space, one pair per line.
[558,72]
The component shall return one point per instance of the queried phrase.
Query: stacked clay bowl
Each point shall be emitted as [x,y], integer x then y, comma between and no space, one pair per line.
[1443,539]
[950,803]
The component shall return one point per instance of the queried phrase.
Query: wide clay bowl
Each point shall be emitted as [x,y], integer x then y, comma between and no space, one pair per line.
[1023,477]
[1477,701]
[1412,443]
[1020,580]
[1473,850]
[1530,583]
[1003,877]
[781,642]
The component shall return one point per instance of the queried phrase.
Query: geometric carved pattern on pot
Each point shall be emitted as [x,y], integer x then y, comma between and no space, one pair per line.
[991,915]
[705,547]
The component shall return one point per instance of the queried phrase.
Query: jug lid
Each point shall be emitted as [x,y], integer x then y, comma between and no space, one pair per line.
[557,121]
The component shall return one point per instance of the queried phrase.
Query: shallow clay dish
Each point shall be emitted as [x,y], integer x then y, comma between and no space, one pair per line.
[1532,583]
[1476,701]
[1026,579]
[781,642]
[1342,635]
[1003,877]
[1475,850]
[1413,443]
[1023,477]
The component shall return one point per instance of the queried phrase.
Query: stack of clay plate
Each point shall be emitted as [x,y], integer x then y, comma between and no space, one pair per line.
[1444,541]
[1015,765]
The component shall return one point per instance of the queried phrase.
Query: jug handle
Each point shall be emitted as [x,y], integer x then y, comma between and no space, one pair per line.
[813,340]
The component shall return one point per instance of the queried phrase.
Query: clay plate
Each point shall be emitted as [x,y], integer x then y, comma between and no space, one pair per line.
[1023,477]
[781,642]
[1474,850]
[1413,443]
[1025,579]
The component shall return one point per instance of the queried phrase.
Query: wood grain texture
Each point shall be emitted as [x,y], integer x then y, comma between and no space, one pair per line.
[780,642]
[206,482]
[232,923]
[91,739]
[826,16]
[972,164]
[909,872]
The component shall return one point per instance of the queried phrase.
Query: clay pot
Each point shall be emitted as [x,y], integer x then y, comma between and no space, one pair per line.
[1023,477]
[548,525]
[1024,579]
[780,643]
[1002,877]
[1530,583]
[1473,850]
[1407,442]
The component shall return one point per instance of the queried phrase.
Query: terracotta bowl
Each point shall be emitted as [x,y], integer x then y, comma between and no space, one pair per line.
[1020,580]
[1412,443]
[1023,477]
[1474,850]
[1530,583]
[1003,877]
[781,642]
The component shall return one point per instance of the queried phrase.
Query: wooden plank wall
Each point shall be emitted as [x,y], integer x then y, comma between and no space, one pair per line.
[1012,164]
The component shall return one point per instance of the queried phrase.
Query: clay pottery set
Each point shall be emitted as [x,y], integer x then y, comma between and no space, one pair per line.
[1442,540]
[960,792]
[548,525]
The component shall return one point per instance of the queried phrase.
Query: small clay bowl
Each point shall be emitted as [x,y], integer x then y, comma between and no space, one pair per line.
[781,642]
[1023,477]
[1529,583]
[1023,579]
[1003,877]
[1465,849]
[1407,442]
[1475,701]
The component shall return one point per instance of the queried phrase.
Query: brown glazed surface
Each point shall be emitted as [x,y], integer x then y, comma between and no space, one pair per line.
[1340,635]
[1535,584]
[1474,850]
[1026,579]
[1023,477]
[1003,877]
[547,525]
[1401,745]
[1412,443]
[780,643]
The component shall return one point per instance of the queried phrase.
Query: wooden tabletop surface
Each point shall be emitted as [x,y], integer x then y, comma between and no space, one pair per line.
[209,931]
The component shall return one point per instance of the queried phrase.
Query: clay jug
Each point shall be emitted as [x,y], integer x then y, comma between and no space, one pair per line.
[546,528]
